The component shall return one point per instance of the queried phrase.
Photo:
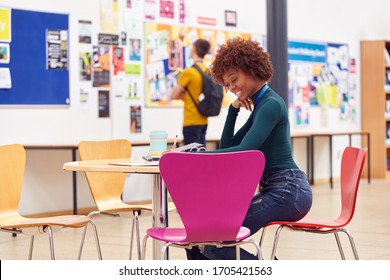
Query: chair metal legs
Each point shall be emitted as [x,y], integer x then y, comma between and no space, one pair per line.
[262,237]
[31,247]
[334,231]
[82,242]
[218,244]
[336,235]
[50,233]
[351,241]
[144,246]
[164,250]
[95,233]
[238,255]
[259,254]
[135,226]
[131,238]
[51,243]
[137,235]
[276,239]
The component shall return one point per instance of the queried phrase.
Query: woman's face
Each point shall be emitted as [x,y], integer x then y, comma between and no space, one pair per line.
[240,83]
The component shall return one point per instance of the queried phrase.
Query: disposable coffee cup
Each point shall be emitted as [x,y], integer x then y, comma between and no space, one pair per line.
[158,143]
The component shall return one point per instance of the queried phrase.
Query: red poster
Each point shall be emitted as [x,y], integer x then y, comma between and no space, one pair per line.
[117,59]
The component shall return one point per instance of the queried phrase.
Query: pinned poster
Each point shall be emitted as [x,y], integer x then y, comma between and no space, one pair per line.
[101,66]
[5,78]
[104,104]
[150,9]
[109,16]
[56,49]
[117,59]
[167,9]
[85,31]
[135,119]
[85,67]
[5,25]
[4,53]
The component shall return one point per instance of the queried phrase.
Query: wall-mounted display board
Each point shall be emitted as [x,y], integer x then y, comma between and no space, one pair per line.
[36,71]
[167,52]
[318,76]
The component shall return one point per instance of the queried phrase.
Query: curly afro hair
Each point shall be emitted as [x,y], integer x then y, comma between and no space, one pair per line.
[245,55]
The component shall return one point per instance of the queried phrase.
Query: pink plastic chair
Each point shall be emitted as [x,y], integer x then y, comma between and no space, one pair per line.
[212,194]
[351,169]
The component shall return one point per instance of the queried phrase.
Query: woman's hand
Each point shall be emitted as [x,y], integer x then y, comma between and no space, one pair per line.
[247,103]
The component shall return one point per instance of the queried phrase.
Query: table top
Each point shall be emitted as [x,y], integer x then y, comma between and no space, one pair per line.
[340,133]
[124,165]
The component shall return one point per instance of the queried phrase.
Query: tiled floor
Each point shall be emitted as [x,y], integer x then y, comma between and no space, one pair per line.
[370,228]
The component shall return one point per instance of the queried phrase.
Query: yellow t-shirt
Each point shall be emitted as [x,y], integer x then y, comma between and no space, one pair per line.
[192,79]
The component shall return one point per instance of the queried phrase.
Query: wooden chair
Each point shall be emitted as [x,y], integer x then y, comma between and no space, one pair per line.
[212,198]
[106,188]
[352,163]
[12,165]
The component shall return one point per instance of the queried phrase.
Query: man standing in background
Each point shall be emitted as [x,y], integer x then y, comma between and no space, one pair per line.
[190,82]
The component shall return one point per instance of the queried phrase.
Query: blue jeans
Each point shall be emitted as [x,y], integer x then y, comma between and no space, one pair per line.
[285,195]
[195,133]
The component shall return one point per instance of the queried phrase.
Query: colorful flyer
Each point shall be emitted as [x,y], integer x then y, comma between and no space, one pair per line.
[4,53]
[85,31]
[85,68]
[135,119]
[101,66]
[167,9]
[56,49]
[5,25]
[118,59]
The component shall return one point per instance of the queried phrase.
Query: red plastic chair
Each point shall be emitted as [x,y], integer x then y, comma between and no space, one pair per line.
[212,194]
[351,169]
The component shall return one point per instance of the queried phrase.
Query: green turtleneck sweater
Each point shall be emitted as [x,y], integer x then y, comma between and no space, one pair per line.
[267,130]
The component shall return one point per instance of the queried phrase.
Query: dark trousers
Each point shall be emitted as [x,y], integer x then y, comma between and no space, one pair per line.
[195,133]
[195,254]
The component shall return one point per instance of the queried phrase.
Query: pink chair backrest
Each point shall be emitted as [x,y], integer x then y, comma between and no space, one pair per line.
[351,169]
[212,192]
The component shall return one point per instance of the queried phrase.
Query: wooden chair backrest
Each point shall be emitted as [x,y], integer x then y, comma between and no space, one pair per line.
[12,164]
[105,186]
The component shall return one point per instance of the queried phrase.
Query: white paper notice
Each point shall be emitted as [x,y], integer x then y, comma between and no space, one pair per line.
[5,78]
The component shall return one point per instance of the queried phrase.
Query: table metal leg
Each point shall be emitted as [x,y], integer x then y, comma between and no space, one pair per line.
[159,212]
[74,180]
